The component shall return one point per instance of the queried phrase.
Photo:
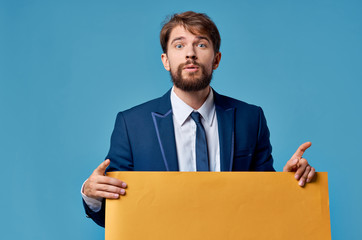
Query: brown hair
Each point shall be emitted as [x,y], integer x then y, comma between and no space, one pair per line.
[195,23]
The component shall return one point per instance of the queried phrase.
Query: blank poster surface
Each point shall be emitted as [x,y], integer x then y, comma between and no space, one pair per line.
[218,205]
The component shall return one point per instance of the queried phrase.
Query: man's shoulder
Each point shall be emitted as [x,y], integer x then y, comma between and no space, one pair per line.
[246,114]
[158,105]
[229,102]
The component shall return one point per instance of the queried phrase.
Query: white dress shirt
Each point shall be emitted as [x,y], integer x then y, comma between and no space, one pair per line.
[185,137]
[185,133]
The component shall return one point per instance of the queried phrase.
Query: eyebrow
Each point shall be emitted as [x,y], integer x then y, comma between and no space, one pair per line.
[182,38]
[202,37]
[176,39]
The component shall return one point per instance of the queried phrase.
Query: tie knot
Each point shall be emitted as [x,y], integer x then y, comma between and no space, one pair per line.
[196,116]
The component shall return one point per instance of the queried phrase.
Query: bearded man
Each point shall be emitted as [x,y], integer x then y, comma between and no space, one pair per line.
[191,127]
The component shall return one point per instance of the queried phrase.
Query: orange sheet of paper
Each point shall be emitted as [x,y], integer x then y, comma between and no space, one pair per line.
[218,205]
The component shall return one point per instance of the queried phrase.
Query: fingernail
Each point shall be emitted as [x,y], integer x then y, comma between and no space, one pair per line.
[301,183]
[124,185]
[123,191]
[296,176]
[295,161]
[308,180]
[116,195]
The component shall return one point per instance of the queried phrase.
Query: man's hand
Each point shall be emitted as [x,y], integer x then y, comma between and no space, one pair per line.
[303,171]
[99,186]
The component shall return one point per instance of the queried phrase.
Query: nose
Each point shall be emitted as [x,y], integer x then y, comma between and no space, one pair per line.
[191,53]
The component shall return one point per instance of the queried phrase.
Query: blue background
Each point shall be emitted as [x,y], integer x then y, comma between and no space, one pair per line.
[67,68]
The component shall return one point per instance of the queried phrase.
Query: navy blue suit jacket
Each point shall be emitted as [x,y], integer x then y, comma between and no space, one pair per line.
[143,139]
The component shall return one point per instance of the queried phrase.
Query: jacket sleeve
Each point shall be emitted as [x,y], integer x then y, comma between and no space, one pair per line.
[263,160]
[120,155]
[120,152]
[97,217]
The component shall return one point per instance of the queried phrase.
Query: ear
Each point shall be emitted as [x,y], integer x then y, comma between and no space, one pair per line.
[166,63]
[217,59]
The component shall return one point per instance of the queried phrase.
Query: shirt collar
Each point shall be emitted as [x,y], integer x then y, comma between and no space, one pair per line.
[182,111]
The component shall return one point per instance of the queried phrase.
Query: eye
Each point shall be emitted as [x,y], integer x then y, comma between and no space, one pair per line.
[178,46]
[201,45]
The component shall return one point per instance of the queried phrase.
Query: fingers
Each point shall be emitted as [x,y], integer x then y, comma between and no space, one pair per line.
[100,186]
[109,181]
[109,191]
[104,187]
[107,195]
[301,149]
[101,169]
[302,165]
[311,175]
[291,165]
[303,179]
[305,172]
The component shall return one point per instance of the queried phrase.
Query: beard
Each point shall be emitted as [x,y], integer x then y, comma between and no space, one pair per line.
[191,82]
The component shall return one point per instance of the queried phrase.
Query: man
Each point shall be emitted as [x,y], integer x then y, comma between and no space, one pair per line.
[191,127]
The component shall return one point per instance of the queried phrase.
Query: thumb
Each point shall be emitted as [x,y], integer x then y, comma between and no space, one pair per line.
[291,165]
[101,169]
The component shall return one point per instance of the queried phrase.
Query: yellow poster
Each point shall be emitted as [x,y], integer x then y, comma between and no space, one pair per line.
[218,206]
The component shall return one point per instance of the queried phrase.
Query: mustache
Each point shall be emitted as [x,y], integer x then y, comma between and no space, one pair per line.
[193,62]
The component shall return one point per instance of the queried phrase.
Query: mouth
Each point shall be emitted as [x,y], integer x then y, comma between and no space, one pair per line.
[191,68]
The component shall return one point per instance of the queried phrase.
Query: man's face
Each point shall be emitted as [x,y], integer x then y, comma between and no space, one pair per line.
[190,59]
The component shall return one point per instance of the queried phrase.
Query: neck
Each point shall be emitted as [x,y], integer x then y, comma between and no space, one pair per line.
[194,99]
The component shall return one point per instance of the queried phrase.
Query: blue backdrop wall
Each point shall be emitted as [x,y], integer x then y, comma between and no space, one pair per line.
[67,68]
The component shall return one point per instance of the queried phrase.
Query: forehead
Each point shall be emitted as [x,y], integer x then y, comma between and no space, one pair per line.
[181,31]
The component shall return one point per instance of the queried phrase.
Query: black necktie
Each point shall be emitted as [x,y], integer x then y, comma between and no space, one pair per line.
[202,156]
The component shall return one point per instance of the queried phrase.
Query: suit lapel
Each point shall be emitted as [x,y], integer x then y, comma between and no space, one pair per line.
[163,124]
[226,124]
